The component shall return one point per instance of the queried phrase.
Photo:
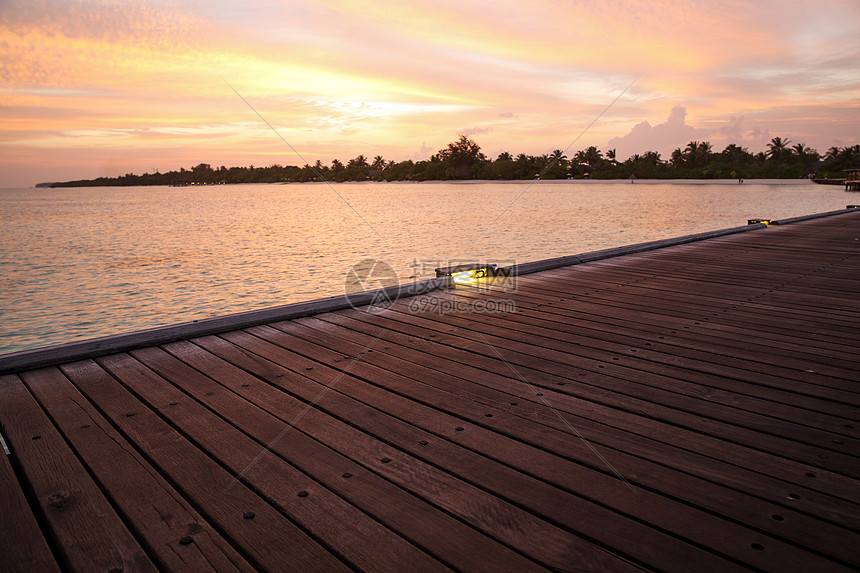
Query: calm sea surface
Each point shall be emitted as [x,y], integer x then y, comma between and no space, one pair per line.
[80,263]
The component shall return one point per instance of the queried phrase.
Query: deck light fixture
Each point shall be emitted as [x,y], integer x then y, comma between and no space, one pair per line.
[756,221]
[467,274]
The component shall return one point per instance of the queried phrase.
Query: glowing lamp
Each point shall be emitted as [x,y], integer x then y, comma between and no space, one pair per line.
[756,221]
[467,274]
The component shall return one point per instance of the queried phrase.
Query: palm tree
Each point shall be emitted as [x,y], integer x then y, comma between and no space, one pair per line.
[734,151]
[703,154]
[359,162]
[697,154]
[652,158]
[378,163]
[543,161]
[593,156]
[832,154]
[777,148]
[677,159]
[690,153]
[504,156]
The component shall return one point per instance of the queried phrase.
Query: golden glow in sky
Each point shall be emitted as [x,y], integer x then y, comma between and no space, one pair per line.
[93,88]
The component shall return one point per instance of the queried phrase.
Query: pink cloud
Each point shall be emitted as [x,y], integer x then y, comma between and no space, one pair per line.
[663,137]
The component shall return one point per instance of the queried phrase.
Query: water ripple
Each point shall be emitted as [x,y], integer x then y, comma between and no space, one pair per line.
[79,263]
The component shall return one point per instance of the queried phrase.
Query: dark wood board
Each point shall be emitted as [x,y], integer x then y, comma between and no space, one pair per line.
[527,533]
[153,510]
[88,533]
[206,484]
[22,546]
[524,430]
[259,381]
[573,397]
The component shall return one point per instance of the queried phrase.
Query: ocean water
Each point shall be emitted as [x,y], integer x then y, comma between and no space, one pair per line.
[87,262]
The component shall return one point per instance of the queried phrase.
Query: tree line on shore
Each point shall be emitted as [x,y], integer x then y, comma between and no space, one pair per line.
[462,160]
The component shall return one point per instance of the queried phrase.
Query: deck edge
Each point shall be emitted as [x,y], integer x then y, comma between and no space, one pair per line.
[94,347]
[554,263]
[790,220]
[91,348]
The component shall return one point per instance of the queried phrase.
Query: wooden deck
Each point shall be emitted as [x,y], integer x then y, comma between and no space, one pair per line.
[691,408]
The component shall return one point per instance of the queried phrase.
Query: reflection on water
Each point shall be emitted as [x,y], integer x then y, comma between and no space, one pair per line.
[78,263]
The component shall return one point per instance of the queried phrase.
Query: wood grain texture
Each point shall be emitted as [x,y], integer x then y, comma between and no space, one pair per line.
[89,534]
[157,512]
[673,406]
[203,481]
[22,546]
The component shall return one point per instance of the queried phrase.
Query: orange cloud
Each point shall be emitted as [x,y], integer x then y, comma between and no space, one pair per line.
[344,77]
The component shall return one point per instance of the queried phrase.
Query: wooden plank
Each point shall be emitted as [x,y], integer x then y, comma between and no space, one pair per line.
[645,545]
[23,546]
[709,417]
[776,306]
[89,534]
[436,532]
[643,325]
[545,439]
[442,359]
[711,280]
[745,271]
[664,325]
[740,315]
[727,400]
[782,436]
[715,313]
[345,528]
[706,321]
[746,366]
[554,310]
[212,489]
[153,509]
[756,308]
[789,400]
[764,298]
[548,544]
[576,399]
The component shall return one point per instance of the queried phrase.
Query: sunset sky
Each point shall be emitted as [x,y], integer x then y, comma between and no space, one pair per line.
[107,87]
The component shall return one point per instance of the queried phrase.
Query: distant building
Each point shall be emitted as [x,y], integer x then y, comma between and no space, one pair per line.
[852,181]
